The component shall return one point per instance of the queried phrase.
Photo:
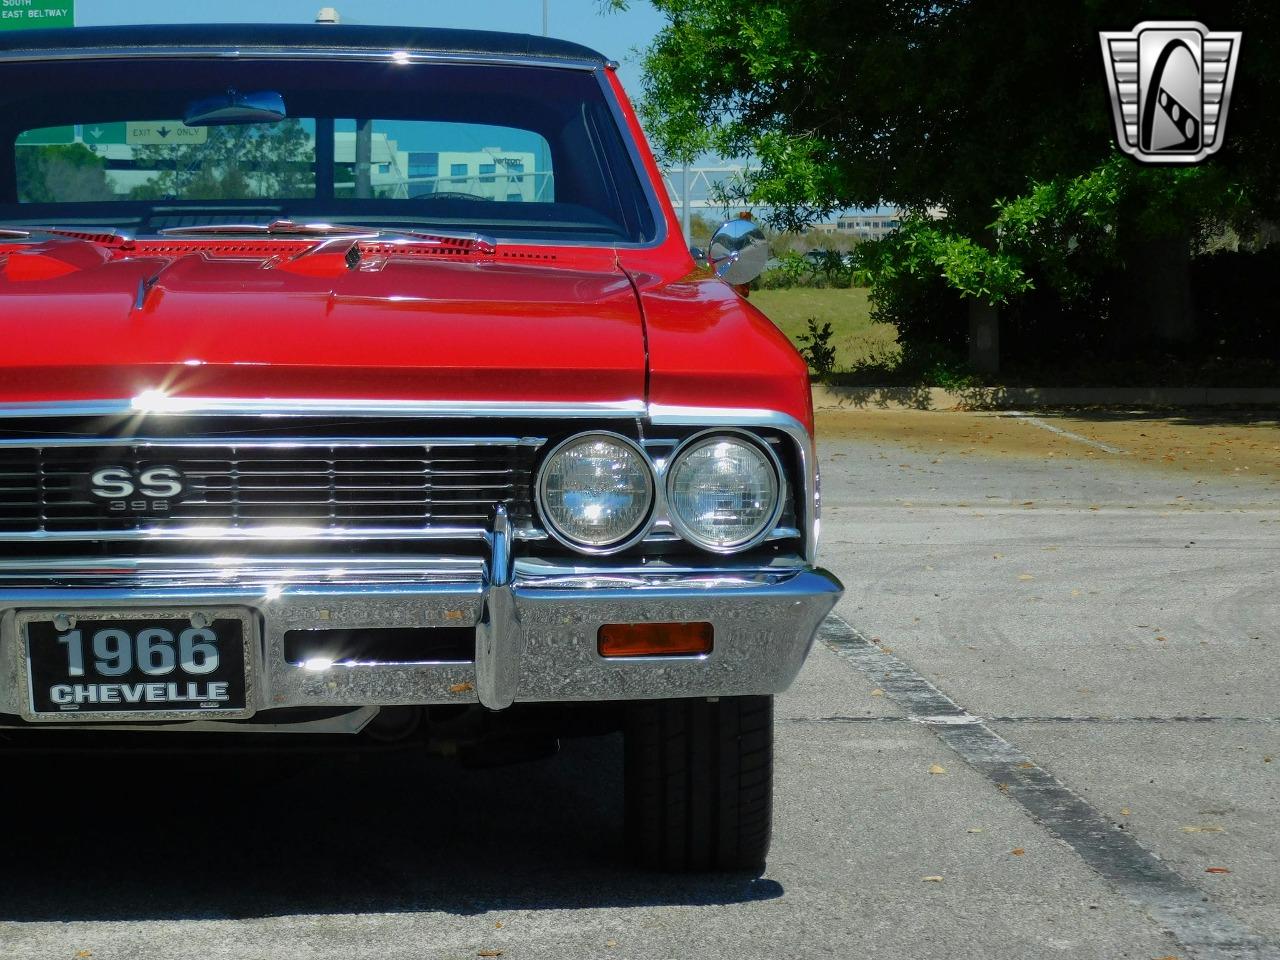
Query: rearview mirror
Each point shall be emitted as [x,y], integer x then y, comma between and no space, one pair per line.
[738,252]
[265,106]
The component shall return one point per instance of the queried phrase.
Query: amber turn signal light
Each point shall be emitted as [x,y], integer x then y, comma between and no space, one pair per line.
[654,639]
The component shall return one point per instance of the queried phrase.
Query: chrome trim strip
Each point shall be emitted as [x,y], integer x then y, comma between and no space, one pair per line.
[257,573]
[293,53]
[355,570]
[283,443]
[254,534]
[165,563]
[530,569]
[155,402]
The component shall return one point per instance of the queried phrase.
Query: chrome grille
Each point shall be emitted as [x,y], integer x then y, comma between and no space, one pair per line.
[385,485]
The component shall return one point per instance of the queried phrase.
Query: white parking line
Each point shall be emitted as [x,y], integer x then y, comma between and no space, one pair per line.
[1037,422]
[1178,906]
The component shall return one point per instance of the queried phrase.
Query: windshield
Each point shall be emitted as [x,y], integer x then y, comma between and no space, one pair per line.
[521,152]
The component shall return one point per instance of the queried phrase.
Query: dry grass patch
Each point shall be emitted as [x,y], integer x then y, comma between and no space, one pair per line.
[856,337]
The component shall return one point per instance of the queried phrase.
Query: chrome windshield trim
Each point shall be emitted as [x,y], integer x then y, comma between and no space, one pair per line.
[243,52]
[398,57]
[661,225]
[156,403]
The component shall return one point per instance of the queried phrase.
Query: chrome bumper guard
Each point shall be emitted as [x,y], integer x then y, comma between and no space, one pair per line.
[536,623]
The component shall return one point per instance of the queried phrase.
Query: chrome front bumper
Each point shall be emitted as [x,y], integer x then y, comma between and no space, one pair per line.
[536,623]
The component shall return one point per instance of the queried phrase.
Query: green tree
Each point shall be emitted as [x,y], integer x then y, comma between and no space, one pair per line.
[994,111]
[63,173]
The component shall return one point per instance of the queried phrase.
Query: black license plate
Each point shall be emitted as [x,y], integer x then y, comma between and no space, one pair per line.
[82,665]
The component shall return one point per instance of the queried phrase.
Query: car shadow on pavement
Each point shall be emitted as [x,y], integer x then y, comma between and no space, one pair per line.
[233,836]
[1183,416]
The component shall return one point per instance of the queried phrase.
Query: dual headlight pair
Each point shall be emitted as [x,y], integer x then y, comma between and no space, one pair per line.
[723,492]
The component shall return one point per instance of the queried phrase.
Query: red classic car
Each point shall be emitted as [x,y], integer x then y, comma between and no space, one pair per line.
[358,382]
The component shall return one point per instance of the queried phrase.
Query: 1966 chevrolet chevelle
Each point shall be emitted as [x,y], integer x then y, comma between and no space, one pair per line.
[357,382]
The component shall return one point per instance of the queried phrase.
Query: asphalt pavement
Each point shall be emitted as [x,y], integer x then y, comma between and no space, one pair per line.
[1043,723]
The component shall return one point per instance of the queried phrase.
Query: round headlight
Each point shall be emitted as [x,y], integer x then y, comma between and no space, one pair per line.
[723,492]
[595,491]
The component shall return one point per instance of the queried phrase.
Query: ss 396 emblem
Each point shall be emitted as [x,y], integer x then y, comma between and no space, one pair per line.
[150,490]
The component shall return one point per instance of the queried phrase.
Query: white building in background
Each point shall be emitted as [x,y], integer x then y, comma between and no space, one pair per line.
[389,173]
[872,225]
[868,226]
[863,225]
[491,173]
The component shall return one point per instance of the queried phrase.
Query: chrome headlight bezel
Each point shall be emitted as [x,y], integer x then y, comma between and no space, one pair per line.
[632,536]
[702,439]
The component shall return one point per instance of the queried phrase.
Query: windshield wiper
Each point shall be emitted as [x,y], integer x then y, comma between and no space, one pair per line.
[478,242]
[276,228]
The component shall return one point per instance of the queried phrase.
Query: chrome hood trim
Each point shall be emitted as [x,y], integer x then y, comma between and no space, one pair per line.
[158,403]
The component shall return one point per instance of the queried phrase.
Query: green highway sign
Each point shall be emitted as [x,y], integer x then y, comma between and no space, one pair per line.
[46,136]
[36,14]
[104,132]
[143,133]
[159,132]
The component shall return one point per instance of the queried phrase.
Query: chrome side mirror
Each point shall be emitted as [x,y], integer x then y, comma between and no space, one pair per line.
[738,252]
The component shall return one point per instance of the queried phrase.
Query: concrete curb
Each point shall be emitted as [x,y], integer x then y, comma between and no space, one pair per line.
[998,398]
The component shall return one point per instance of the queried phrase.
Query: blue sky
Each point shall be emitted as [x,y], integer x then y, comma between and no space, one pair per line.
[614,34]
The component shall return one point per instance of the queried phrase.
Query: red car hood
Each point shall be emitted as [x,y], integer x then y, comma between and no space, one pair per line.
[208,319]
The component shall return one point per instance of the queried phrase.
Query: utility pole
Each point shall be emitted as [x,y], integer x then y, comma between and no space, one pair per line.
[364,159]
[364,130]
[541,175]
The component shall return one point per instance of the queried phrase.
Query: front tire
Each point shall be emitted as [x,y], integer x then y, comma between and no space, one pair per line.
[699,783]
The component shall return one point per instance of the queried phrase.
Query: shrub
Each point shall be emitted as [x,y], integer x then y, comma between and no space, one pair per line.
[818,351]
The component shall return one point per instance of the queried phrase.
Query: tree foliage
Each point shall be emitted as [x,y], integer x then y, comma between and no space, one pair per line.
[994,112]
[60,173]
[238,162]
[854,103]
